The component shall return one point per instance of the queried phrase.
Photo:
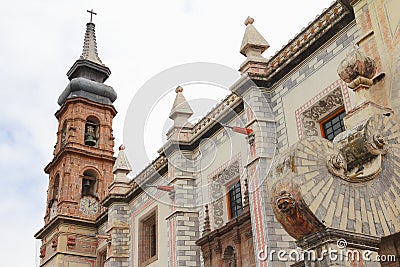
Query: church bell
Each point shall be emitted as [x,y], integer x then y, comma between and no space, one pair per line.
[90,140]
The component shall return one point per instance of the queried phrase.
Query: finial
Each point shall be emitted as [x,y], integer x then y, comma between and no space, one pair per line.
[207,227]
[91,14]
[249,20]
[122,165]
[181,110]
[246,194]
[179,89]
[253,43]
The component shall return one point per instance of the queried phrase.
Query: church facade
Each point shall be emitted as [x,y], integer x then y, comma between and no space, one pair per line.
[298,166]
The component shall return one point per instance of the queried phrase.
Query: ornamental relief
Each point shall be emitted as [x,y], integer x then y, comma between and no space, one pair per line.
[218,190]
[311,117]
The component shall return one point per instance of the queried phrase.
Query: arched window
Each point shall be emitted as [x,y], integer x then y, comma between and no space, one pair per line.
[56,187]
[89,183]
[64,134]
[92,131]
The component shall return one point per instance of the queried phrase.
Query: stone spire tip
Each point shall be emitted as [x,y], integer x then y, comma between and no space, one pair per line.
[249,20]
[122,164]
[252,39]
[181,110]
[90,45]
[179,89]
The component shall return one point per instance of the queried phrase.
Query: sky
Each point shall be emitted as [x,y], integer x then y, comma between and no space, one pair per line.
[39,42]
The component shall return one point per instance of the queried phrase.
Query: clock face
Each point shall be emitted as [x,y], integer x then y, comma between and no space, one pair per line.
[89,205]
[53,209]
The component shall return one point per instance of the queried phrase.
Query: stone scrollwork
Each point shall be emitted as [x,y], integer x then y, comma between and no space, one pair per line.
[217,190]
[360,151]
[311,117]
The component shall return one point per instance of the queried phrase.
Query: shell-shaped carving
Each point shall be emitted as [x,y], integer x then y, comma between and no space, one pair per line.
[356,64]
[301,184]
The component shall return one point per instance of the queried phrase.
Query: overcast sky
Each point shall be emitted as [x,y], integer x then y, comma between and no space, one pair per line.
[39,42]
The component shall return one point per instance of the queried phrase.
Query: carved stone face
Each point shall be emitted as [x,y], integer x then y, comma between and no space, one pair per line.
[286,204]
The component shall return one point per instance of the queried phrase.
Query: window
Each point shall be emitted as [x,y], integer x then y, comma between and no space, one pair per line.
[313,114]
[333,125]
[64,134]
[91,131]
[56,187]
[89,183]
[235,200]
[148,233]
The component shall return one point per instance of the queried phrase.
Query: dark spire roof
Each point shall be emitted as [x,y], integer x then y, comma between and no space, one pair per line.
[88,74]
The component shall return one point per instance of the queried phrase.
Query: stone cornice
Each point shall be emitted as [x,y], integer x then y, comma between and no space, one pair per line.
[324,27]
[228,227]
[74,150]
[328,235]
[60,219]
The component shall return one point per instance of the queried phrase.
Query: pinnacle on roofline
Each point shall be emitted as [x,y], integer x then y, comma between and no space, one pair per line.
[252,40]
[122,164]
[181,110]
[180,104]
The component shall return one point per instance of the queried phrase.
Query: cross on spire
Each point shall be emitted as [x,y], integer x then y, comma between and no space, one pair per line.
[91,14]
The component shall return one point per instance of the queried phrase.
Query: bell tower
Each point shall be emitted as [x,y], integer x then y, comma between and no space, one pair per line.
[81,169]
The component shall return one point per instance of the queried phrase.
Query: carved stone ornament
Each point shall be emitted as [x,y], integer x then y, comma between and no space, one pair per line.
[356,65]
[292,213]
[360,152]
[218,191]
[42,252]
[316,184]
[311,117]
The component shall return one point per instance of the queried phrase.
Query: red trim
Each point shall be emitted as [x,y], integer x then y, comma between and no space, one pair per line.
[228,199]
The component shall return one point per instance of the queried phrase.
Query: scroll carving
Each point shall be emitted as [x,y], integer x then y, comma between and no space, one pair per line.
[218,190]
[311,117]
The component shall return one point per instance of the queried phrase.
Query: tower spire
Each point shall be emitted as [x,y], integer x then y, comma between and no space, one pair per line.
[89,65]
[88,73]
[89,45]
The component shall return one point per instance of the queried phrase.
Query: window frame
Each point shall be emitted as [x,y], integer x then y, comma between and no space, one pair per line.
[228,197]
[95,123]
[142,253]
[328,118]
[92,176]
